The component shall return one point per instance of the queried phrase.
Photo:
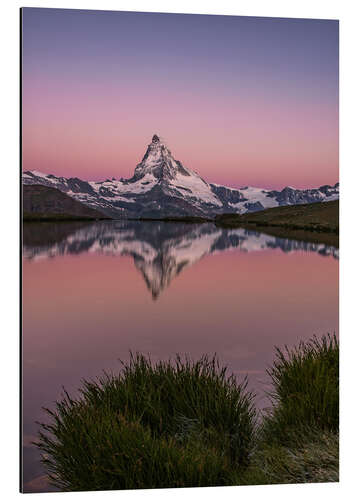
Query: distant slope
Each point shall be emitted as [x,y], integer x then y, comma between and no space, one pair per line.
[313,222]
[322,217]
[47,203]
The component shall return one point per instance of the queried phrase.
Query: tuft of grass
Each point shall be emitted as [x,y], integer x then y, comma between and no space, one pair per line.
[305,394]
[298,440]
[114,453]
[314,459]
[176,423]
[182,424]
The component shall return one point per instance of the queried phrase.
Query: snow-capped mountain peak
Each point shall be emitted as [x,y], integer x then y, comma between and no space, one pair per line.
[159,162]
[163,187]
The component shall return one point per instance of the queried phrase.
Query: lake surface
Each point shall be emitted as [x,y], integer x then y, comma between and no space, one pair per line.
[94,291]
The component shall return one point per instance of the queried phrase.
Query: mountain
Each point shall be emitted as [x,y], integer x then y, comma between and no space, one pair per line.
[160,250]
[43,202]
[162,187]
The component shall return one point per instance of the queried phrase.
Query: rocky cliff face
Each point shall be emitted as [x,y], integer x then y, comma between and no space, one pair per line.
[162,187]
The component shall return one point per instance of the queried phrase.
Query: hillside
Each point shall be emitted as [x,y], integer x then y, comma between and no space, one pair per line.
[311,222]
[47,203]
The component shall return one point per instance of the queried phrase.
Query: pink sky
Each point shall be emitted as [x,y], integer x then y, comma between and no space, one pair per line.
[258,107]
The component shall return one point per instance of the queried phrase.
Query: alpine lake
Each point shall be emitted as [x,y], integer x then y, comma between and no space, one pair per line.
[95,291]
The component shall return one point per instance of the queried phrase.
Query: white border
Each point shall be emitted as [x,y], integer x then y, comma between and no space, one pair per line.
[345,11]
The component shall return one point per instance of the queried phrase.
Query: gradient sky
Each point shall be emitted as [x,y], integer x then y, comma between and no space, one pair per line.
[240,100]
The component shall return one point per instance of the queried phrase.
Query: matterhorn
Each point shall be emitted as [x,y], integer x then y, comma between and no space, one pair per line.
[163,187]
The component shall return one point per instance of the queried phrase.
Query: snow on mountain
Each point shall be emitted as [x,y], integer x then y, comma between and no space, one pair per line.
[161,186]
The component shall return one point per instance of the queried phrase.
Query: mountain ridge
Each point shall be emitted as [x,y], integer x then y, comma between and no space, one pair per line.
[163,187]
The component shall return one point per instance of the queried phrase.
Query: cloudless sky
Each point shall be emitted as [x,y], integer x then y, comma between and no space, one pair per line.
[240,100]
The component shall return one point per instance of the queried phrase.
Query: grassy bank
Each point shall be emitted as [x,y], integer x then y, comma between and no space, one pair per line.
[319,221]
[186,423]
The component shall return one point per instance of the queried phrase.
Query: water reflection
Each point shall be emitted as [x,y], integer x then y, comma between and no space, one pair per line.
[160,250]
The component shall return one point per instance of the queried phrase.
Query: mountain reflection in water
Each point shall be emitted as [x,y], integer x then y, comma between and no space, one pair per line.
[161,250]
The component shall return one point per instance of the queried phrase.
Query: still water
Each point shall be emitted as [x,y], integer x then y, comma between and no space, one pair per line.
[94,291]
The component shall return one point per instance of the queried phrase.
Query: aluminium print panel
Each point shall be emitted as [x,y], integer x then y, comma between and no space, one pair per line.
[180,244]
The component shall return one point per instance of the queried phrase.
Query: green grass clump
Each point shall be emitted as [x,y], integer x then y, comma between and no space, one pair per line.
[314,459]
[297,440]
[180,423]
[183,424]
[305,395]
[102,452]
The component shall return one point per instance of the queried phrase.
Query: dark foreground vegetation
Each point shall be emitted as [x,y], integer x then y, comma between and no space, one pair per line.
[298,438]
[186,423]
